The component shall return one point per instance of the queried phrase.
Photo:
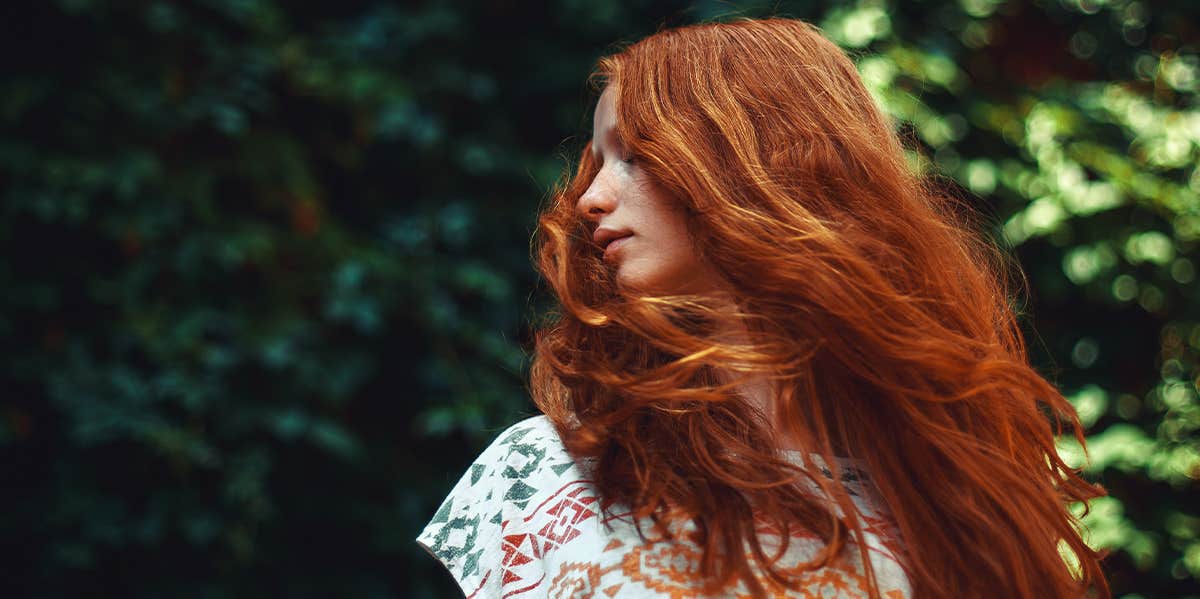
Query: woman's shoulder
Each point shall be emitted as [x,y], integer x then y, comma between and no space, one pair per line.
[522,466]
[519,460]
[532,429]
[526,451]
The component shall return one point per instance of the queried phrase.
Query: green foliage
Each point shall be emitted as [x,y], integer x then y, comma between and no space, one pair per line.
[266,277]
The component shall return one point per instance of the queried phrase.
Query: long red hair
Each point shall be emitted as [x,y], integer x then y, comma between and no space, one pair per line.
[870,300]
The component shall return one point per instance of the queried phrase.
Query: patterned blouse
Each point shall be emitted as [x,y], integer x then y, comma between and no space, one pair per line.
[524,522]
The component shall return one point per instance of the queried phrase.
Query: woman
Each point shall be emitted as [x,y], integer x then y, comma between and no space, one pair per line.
[782,365]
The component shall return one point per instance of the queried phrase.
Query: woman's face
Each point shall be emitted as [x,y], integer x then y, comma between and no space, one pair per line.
[643,232]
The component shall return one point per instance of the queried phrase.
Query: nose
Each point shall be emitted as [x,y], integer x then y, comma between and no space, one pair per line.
[599,199]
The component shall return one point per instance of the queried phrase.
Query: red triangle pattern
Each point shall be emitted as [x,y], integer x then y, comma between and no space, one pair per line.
[568,513]
[519,549]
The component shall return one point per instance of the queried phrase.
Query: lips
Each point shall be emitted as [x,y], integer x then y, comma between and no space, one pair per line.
[610,240]
[604,236]
[613,246]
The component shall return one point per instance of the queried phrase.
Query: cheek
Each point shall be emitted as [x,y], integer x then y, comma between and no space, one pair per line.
[666,260]
[674,237]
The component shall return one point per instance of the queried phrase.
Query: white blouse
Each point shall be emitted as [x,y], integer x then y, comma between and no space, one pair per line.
[524,521]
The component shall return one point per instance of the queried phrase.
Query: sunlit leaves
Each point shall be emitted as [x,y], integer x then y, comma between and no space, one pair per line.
[859,25]
[1106,526]
[1084,264]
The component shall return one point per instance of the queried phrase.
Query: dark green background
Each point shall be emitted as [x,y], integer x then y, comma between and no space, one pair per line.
[266,285]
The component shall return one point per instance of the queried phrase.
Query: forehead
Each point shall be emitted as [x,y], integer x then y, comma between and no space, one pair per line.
[605,107]
[604,120]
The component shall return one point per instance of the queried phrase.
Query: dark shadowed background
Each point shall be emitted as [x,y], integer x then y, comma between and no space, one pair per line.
[266,286]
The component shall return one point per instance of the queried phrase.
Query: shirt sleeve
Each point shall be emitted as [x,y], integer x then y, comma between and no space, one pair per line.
[465,533]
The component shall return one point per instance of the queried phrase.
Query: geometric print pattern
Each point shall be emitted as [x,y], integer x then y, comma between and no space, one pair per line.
[524,522]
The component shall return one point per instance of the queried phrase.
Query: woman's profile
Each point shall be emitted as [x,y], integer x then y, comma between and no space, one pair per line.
[781,363]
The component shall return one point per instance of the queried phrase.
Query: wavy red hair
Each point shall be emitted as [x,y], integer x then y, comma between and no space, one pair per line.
[870,300]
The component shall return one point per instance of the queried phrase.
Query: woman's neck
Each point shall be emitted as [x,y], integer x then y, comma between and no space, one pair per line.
[757,389]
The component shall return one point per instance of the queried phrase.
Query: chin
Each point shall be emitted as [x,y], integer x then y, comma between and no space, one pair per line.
[634,282]
[648,285]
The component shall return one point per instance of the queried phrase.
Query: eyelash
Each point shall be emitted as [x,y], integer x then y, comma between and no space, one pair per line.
[629,158]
